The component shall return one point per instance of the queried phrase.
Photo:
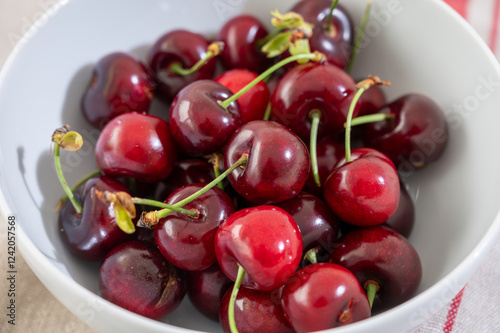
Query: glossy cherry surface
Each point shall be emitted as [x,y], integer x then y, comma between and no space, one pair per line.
[120,83]
[182,47]
[278,162]
[381,255]
[335,40]
[255,311]
[253,103]
[241,36]
[136,145]
[135,276]
[364,191]
[268,252]
[323,296]
[93,233]
[318,226]
[417,134]
[200,125]
[206,289]
[188,242]
[313,86]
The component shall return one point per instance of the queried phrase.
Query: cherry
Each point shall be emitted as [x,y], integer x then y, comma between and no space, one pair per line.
[91,234]
[323,296]
[135,276]
[188,241]
[206,289]
[255,311]
[318,226]
[277,166]
[269,253]
[179,49]
[333,34]
[200,125]
[241,36]
[415,133]
[382,258]
[253,103]
[136,145]
[120,83]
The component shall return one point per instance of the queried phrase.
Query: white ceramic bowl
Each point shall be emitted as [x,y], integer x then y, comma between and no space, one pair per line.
[420,46]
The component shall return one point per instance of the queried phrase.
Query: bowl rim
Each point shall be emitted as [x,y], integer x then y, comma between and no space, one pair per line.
[453,282]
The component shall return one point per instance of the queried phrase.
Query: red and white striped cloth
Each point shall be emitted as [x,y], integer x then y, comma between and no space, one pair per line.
[476,308]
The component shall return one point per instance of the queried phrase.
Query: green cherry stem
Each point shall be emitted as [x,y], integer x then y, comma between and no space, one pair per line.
[311,256]
[315,116]
[213,50]
[371,288]
[62,180]
[330,14]
[315,56]
[359,36]
[159,204]
[232,300]
[267,114]
[371,118]
[269,36]
[78,184]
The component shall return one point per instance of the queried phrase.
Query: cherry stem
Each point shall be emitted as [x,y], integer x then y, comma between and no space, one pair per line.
[213,50]
[78,184]
[330,14]
[240,162]
[311,256]
[232,300]
[267,114]
[315,56]
[359,36]
[214,160]
[371,288]
[371,118]
[269,36]
[315,116]
[62,180]
[154,203]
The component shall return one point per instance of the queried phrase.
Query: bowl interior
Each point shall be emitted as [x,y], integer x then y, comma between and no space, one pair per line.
[420,46]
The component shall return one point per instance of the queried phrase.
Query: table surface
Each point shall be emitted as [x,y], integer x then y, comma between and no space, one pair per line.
[37,308]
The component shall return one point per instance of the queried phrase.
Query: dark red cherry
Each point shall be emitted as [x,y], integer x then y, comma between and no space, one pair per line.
[241,36]
[268,252]
[253,103]
[120,83]
[318,226]
[181,47]
[313,86]
[334,40]
[323,296]
[188,242]
[206,289]
[381,256]
[185,172]
[328,151]
[200,125]
[417,134]
[278,162]
[136,145]
[255,311]
[93,233]
[135,276]
[364,191]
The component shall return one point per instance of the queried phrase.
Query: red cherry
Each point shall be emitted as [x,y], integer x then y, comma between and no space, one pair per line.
[277,166]
[255,311]
[381,256]
[206,289]
[323,296]
[188,242]
[136,145]
[268,252]
[241,36]
[120,83]
[135,276]
[93,233]
[181,47]
[253,103]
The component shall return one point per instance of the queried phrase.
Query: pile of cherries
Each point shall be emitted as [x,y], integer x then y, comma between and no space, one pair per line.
[222,200]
